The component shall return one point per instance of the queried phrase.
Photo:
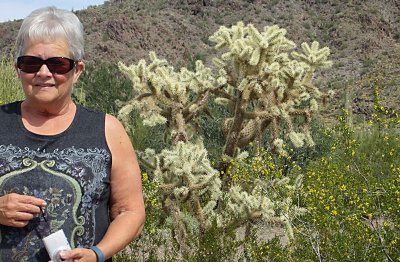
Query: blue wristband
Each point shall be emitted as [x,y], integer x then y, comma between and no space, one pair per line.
[99,254]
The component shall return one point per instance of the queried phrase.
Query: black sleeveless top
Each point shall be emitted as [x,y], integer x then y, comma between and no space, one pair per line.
[70,171]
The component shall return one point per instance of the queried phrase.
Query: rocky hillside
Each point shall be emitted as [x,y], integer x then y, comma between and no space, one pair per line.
[364,35]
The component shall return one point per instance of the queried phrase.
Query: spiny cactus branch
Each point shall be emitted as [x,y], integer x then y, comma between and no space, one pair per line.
[199,106]
[222,93]
[168,188]
[144,95]
[275,129]
[259,114]
[199,212]
[180,234]
[179,126]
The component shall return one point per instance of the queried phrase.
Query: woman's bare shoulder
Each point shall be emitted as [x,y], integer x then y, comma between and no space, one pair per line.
[116,135]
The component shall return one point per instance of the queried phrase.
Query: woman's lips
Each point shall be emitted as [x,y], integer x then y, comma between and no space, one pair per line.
[44,85]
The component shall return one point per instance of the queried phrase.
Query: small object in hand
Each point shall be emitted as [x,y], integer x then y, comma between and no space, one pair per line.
[55,244]
[43,215]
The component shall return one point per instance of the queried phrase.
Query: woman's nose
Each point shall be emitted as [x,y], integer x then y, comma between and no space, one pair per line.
[44,70]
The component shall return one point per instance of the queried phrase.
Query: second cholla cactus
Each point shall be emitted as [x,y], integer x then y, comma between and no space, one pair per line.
[165,96]
[185,175]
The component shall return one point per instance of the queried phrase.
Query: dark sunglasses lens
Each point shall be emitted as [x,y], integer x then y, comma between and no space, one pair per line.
[60,65]
[29,64]
[56,65]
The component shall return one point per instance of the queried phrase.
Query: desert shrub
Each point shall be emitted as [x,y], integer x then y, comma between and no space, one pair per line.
[10,86]
[352,196]
[101,86]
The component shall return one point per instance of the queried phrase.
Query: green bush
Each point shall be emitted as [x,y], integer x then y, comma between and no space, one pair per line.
[101,86]
[353,197]
[10,86]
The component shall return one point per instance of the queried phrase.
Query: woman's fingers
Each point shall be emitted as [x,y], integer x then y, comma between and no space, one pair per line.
[34,201]
[79,255]
[16,210]
[16,223]
[15,219]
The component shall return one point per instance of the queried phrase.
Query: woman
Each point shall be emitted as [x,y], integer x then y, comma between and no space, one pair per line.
[62,166]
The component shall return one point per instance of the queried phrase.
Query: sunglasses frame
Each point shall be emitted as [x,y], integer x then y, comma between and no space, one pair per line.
[40,62]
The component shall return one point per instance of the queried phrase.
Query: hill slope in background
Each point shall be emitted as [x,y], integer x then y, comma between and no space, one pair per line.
[364,35]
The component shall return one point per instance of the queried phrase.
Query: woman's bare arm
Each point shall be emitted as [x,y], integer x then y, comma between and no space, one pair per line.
[127,206]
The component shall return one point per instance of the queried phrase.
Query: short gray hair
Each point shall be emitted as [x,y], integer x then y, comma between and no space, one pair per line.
[51,23]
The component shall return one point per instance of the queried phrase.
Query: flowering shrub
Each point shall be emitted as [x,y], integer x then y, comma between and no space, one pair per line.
[353,197]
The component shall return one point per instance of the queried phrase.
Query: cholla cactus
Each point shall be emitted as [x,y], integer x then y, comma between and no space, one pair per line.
[191,188]
[167,97]
[185,174]
[264,86]
[257,79]
[186,180]
[243,205]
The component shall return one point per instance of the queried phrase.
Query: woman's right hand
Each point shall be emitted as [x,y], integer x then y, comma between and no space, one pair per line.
[16,210]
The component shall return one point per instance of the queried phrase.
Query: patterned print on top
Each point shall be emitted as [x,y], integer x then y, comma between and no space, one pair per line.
[72,181]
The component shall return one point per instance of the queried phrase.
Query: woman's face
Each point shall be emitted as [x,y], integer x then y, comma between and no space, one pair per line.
[44,86]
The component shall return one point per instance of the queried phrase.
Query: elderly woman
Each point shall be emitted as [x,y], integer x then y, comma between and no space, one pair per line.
[62,166]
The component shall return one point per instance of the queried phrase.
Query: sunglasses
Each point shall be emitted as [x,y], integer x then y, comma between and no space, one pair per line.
[56,65]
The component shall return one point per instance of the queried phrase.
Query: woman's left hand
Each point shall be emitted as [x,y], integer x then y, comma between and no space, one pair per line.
[79,255]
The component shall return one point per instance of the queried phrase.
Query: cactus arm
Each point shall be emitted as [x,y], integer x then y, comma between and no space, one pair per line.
[258,114]
[179,126]
[200,103]
[143,161]
[224,94]
[144,95]
[275,129]
[194,198]
[180,234]
[233,134]
[168,188]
